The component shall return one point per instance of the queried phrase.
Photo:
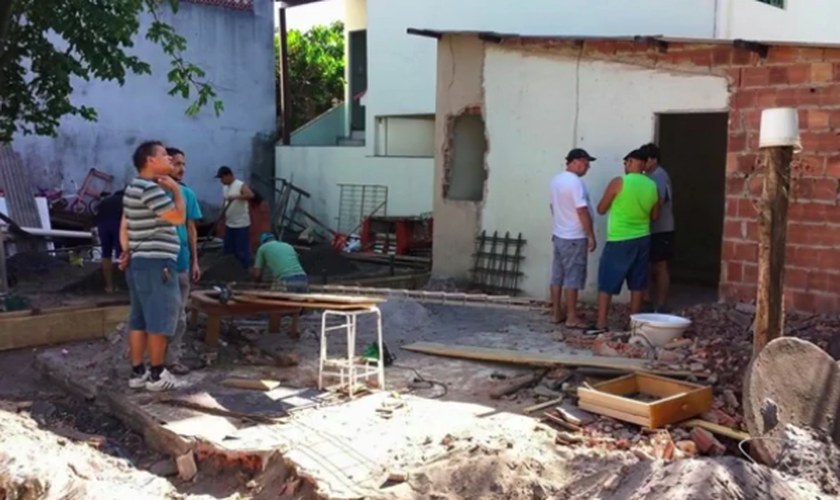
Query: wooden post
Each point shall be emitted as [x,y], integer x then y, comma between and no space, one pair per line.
[285,91]
[772,238]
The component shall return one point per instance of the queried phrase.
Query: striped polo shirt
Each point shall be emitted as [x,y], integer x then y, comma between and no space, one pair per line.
[149,236]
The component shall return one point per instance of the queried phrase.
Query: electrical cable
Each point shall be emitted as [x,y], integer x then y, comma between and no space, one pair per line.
[741,445]
[421,382]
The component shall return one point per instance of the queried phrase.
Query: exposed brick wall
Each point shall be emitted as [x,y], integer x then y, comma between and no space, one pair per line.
[805,78]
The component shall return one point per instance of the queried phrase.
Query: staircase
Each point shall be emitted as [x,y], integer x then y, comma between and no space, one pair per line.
[356,139]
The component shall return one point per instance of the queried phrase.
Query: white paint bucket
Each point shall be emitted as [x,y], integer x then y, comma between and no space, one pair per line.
[659,329]
[779,127]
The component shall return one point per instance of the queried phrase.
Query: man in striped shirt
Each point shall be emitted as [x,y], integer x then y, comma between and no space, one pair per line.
[148,233]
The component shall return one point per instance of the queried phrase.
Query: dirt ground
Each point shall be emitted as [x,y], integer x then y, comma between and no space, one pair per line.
[459,443]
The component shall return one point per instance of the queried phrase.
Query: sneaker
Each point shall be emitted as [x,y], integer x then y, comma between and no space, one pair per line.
[166,382]
[138,381]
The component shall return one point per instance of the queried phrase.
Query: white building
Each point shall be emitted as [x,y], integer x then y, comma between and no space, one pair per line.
[387,136]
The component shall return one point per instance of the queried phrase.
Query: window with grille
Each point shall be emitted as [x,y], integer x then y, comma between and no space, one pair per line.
[775,3]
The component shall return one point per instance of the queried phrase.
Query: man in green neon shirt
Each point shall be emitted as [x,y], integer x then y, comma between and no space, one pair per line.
[632,202]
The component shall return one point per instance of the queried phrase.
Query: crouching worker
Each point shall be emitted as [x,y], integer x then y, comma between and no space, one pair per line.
[282,261]
[148,235]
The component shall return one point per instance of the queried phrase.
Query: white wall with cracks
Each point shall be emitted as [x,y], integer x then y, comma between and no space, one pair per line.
[538,106]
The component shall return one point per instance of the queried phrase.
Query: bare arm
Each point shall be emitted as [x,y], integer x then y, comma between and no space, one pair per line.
[586,221]
[245,194]
[654,213]
[124,233]
[613,188]
[177,215]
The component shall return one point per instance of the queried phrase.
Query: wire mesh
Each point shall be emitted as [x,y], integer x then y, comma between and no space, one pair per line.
[358,201]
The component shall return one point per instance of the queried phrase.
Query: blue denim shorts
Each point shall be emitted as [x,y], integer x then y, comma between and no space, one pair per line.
[155,298]
[624,261]
[296,283]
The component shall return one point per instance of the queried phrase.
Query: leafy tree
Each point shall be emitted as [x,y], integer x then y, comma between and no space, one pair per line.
[316,70]
[44,44]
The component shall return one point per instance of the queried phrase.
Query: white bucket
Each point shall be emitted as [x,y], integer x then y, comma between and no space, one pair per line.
[779,127]
[659,329]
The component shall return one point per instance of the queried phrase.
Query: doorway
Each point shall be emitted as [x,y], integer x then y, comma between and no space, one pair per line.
[693,152]
[357,60]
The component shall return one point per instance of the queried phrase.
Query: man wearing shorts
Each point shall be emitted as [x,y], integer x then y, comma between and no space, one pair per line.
[187,263]
[661,231]
[108,218]
[572,236]
[632,203]
[149,237]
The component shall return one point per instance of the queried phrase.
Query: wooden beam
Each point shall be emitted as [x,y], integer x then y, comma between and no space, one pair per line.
[772,238]
[553,402]
[59,326]
[629,365]
[285,91]
[717,429]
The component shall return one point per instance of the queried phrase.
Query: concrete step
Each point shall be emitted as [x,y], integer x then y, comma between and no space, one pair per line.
[357,134]
[347,141]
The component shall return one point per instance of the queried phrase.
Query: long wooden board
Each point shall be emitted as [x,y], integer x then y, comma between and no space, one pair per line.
[530,358]
[246,299]
[58,326]
[311,297]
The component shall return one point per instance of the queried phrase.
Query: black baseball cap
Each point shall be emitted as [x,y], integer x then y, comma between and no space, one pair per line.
[636,154]
[223,171]
[579,154]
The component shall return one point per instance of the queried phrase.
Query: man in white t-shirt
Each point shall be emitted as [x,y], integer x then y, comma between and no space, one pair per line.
[237,218]
[573,237]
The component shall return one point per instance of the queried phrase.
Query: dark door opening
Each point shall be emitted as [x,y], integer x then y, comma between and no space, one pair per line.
[357,59]
[693,150]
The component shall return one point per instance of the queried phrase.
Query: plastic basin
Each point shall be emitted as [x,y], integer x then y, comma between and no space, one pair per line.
[659,329]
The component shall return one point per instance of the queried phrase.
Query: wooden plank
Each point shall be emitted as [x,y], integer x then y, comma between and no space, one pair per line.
[717,429]
[559,421]
[312,297]
[680,407]
[575,415]
[620,403]
[617,414]
[302,305]
[250,384]
[59,327]
[524,358]
[537,407]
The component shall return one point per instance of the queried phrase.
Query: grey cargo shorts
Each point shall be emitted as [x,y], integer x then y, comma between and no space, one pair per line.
[568,268]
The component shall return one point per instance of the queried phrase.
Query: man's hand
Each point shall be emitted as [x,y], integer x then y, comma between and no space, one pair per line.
[593,244]
[195,272]
[125,257]
[168,183]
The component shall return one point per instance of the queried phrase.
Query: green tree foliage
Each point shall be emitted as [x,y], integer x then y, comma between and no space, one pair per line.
[316,70]
[45,44]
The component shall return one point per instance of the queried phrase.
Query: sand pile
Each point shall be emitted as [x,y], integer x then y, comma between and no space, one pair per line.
[811,457]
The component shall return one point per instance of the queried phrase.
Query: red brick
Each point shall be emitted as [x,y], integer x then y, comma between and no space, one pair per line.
[824,303]
[752,140]
[734,272]
[733,230]
[735,292]
[782,54]
[817,119]
[829,95]
[802,301]
[702,57]
[829,259]
[822,72]
[744,57]
[752,120]
[737,142]
[747,163]
[810,234]
[751,230]
[766,98]
[755,77]
[807,212]
[750,273]
[756,186]
[731,211]
[745,98]
[778,75]
[798,74]
[735,124]
[832,168]
[808,165]
[733,75]
[747,252]
[747,209]
[834,118]
[831,54]
[796,278]
[818,280]
[731,163]
[721,56]
[735,186]
[727,251]
[811,54]
[810,96]
[829,142]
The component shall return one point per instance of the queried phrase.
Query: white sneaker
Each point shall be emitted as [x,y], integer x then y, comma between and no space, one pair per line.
[166,382]
[138,381]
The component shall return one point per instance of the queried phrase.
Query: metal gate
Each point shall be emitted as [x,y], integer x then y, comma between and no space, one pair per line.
[358,201]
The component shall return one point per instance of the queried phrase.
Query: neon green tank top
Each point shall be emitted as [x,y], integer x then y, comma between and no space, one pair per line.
[630,210]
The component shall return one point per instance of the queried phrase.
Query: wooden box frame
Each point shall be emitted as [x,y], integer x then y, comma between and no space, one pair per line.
[677,401]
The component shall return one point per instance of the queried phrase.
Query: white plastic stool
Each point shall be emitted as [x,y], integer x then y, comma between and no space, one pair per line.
[353,368]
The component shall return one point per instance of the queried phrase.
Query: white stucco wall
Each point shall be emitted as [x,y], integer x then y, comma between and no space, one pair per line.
[800,21]
[538,107]
[401,77]
[320,170]
[235,49]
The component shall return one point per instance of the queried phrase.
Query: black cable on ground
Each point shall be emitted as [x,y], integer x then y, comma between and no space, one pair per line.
[421,382]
